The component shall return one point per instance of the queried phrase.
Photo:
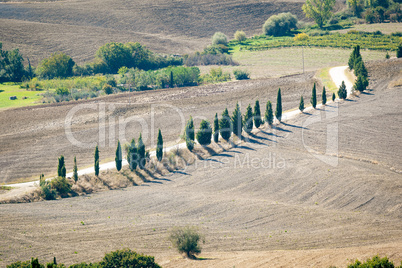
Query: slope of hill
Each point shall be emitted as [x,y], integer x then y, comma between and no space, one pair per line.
[79,27]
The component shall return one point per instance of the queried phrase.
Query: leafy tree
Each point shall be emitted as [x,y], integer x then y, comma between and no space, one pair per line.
[132,156]
[237,121]
[357,6]
[313,100]
[225,125]
[159,147]
[190,129]
[240,36]
[399,52]
[61,168]
[75,170]
[342,93]
[280,24]
[319,10]
[119,157]
[141,153]
[248,120]
[96,156]
[186,240]
[11,65]
[216,128]
[204,135]
[333,97]
[278,112]
[269,115]
[257,114]
[301,104]
[219,39]
[127,258]
[374,263]
[241,74]
[115,55]
[324,96]
[57,65]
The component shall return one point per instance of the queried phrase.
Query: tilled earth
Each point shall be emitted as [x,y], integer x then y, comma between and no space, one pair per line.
[281,199]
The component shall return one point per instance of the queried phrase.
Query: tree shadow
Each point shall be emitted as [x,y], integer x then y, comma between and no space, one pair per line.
[181,172]
[130,178]
[271,134]
[290,125]
[258,137]
[282,129]
[105,183]
[366,93]
[245,147]
[213,160]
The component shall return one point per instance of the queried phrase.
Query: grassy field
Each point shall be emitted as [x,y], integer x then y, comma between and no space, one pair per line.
[385,28]
[10,89]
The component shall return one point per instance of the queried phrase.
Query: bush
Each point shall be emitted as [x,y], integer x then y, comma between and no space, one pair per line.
[61,185]
[241,75]
[204,135]
[219,39]
[216,75]
[209,59]
[280,24]
[301,37]
[342,93]
[373,263]
[186,240]
[57,65]
[127,258]
[108,89]
[240,36]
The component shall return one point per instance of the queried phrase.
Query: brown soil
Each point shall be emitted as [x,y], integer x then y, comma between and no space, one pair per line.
[295,210]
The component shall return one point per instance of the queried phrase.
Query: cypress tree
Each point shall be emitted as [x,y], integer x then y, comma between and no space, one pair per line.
[324,96]
[248,120]
[171,79]
[353,56]
[204,135]
[278,112]
[216,128]
[269,115]
[75,170]
[333,96]
[360,84]
[159,147]
[96,161]
[301,104]
[257,114]
[141,152]
[313,100]
[189,144]
[399,52]
[237,121]
[342,93]
[61,168]
[225,125]
[190,129]
[118,159]
[132,156]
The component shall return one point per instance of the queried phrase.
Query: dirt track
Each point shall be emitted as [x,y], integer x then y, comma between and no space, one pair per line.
[319,213]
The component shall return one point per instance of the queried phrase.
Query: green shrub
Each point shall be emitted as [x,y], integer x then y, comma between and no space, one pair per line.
[375,262]
[280,24]
[108,89]
[61,185]
[399,52]
[216,75]
[186,240]
[225,125]
[219,39]
[240,36]
[57,65]
[127,258]
[241,75]
[342,93]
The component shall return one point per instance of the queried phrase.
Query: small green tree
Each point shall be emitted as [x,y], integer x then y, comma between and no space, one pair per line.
[119,158]
[269,114]
[126,258]
[360,84]
[219,39]
[96,156]
[132,156]
[237,121]
[301,104]
[248,120]
[324,96]
[333,96]
[342,93]
[375,262]
[280,24]
[278,112]
[225,125]
[216,128]
[204,135]
[159,147]
[141,153]
[257,114]
[61,168]
[313,100]
[186,240]
[353,56]
[75,170]
[319,10]
[189,144]
[190,129]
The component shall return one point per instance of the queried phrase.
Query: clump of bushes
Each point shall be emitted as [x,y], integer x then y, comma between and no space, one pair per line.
[119,258]
[209,59]
[216,75]
[241,74]
[240,36]
[374,262]
[219,39]
[281,24]
[59,186]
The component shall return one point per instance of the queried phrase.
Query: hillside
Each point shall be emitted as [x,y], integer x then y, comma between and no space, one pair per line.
[78,28]
[288,208]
